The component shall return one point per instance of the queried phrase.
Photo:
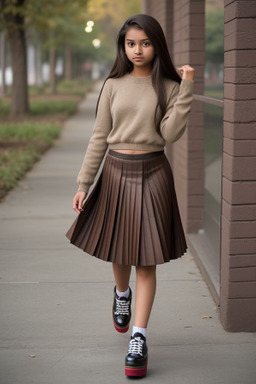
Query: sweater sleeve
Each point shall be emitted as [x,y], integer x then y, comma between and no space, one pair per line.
[174,122]
[98,143]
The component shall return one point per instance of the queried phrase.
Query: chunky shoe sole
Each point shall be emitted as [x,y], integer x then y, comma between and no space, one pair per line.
[120,330]
[136,371]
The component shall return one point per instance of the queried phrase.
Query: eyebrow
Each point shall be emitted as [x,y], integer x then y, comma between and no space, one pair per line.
[140,40]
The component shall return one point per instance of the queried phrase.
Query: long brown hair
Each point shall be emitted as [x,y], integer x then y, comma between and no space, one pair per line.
[162,65]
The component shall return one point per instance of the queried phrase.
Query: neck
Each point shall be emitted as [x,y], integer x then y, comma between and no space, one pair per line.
[141,72]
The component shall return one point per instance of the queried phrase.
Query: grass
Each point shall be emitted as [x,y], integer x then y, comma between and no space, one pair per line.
[50,107]
[24,140]
[21,146]
[4,108]
[44,107]
[42,102]
[216,91]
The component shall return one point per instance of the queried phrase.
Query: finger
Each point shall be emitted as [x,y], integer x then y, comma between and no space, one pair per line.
[80,204]
[75,206]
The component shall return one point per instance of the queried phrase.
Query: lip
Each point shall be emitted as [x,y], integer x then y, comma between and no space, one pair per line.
[137,58]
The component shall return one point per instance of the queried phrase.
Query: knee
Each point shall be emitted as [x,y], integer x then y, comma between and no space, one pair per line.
[146,272]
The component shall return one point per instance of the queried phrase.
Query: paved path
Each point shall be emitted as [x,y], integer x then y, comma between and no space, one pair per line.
[56,301]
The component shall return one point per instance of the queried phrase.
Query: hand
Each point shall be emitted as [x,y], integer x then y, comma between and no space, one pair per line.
[187,72]
[78,201]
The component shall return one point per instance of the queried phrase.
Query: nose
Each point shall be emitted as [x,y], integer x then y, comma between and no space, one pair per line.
[137,49]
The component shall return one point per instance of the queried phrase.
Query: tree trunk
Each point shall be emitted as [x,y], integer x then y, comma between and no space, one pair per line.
[38,64]
[68,63]
[3,86]
[17,42]
[52,63]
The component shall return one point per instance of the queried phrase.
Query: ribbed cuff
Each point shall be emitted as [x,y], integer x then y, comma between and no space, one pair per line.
[83,188]
[186,86]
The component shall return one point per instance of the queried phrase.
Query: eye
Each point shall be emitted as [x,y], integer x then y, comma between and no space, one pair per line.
[146,44]
[130,44]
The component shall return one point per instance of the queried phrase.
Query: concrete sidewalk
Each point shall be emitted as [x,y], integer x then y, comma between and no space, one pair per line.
[55,321]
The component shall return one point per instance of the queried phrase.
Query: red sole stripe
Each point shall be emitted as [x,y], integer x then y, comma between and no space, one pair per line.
[120,330]
[136,371]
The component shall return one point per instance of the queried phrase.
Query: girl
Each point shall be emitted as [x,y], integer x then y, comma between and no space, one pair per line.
[131,218]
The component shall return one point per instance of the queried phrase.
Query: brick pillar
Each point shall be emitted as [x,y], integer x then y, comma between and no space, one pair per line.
[188,153]
[183,25]
[238,266]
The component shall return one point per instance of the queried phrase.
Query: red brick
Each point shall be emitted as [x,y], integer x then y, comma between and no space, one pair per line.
[239,111]
[195,187]
[195,213]
[239,58]
[239,9]
[197,106]
[196,124]
[193,145]
[239,147]
[196,57]
[241,246]
[195,32]
[240,91]
[196,7]
[243,192]
[197,19]
[195,200]
[239,130]
[240,75]
[238,314]
[239,34]
[242,290]
[193,226]
[247,274]
[199,74]
[239,229]
[239,212]
[242,261]
[239,168]
[227,4]
[197,44]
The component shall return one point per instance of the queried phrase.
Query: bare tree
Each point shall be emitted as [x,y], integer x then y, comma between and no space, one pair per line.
[15,30]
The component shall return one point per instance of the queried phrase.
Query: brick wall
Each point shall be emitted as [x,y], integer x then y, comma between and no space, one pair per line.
[188,153]
[238,274]
[162,10]
[185,36]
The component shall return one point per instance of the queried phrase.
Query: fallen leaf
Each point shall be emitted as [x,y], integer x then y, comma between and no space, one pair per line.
[32,356]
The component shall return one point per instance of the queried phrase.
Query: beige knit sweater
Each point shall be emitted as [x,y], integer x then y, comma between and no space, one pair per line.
[126,120]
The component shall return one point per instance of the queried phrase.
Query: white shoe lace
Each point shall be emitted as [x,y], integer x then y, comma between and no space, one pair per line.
[136,346]
[122,307]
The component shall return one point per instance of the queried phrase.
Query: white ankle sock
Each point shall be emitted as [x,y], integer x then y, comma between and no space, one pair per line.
[143,331]
[123,294]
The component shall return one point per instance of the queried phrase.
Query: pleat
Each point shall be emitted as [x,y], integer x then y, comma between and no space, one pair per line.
[132,215]
[110,191]
[125,242]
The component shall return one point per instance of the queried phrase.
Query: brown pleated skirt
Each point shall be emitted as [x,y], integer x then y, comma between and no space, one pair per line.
[131,217]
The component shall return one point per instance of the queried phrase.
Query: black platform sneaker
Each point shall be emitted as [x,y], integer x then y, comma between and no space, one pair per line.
[122,312]
[137,356]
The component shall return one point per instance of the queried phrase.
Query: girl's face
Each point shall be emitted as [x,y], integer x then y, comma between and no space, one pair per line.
[139,49]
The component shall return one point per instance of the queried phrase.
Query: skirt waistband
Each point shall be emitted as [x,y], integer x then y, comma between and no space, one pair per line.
[136,156]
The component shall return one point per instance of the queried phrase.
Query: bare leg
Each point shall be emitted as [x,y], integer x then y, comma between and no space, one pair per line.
[122,276]
[145,294]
